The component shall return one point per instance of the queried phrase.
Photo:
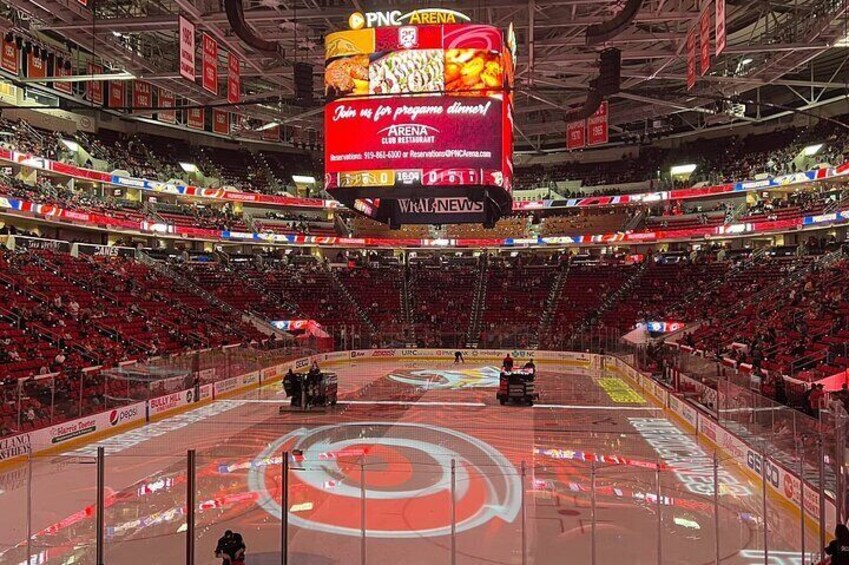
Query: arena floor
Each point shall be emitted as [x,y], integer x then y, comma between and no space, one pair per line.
[403,422]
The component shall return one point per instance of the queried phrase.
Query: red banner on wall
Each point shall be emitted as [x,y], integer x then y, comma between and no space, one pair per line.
[234,87]
[9,59]
[575,135]
[704,39]
[94,88]
[166,100]
[60,71]
[271,134]
[142,94]
[221,121]
[597,126]
[187,49]
[117,92]
[36,66]
[691,59]
[210,63]
[194,118]
[720,26]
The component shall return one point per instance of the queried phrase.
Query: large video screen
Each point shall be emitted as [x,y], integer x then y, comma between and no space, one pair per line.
[428,141]
[418,107]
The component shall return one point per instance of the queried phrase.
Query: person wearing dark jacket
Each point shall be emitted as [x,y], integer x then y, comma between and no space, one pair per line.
[838,549]
[237,550]
[222,550]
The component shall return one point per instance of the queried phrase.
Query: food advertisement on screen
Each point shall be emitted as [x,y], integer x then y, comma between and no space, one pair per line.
[404,133]
[421,109]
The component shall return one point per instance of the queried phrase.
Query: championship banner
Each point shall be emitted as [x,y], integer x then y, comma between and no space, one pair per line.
[194,118]
[720,26]
[575,135]
[705,42]
[36,66]
[220,121]
[187,49]
[117,93]
[210,63]
[166,100]
[94,88]
[271,134]
[142,94]
[691,59]
[234,87]
[62,71]
[9,59]
[597,133]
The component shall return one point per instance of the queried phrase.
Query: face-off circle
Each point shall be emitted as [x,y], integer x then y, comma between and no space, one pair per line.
[407,469]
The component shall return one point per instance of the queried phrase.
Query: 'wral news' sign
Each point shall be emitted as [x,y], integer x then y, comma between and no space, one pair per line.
[434,210]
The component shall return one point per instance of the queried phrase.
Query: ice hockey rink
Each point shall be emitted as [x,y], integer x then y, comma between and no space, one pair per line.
[373,478]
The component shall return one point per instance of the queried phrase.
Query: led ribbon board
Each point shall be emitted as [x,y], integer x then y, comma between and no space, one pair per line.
[419,119]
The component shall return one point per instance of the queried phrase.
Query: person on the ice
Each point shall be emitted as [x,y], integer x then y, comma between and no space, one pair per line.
[838,549]
[222,550]
[507,364]
[289,382]
[237,550]
[458,357]
[530,365]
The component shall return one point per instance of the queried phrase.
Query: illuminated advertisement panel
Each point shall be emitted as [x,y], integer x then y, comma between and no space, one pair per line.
[420,115]
[413,133]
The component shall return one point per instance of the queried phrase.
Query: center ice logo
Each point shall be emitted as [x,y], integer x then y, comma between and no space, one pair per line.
[402,469]
[480,377]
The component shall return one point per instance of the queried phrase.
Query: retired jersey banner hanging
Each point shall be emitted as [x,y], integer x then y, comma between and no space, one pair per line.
[116,94]
[63,71]
[720,26]
[221,121]
[575,138]
[166,100]
[187,49]
[36,66]
[9,60]
[597,126]
[194,118]
[704,41]
[210,64]
[234,87]
[142,94]
[94,88]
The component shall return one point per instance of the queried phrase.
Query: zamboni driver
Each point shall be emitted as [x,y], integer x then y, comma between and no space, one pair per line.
[507,364]
[531,366]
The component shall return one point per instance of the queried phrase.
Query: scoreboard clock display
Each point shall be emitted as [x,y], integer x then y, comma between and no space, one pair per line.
[419,121]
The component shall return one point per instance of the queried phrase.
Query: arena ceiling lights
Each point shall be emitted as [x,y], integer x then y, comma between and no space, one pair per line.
[555,64]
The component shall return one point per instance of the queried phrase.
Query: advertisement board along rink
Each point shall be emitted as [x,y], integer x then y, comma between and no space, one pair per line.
[402,419]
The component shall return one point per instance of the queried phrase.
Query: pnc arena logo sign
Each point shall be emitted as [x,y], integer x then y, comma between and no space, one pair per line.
[424,16]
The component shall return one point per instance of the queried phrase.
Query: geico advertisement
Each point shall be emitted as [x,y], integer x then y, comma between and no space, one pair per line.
[400,133]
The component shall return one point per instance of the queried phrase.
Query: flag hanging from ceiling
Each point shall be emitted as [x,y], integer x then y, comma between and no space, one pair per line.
[210,64]
[187,49]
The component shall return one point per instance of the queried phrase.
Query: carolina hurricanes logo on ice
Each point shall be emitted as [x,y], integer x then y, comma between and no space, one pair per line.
[479,377]
[407,480]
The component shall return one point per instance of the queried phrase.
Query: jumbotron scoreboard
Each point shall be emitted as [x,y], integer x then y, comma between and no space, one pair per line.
[419,117]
